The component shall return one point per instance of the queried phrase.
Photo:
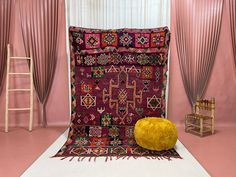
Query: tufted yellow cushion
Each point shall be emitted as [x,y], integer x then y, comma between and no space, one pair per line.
[155,133]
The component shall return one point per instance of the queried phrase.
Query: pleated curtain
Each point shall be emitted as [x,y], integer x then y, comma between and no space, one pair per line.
[198,24]
[5,23]
[39,23]
[232,11]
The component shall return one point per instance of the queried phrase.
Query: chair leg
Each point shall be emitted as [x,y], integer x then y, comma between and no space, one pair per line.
[201,127]
[212,127]
[186,129]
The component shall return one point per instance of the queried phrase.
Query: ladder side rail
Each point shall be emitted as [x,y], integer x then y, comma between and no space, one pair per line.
[31,95]
[7,87]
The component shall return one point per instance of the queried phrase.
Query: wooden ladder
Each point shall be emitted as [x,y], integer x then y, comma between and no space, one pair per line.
[8,89]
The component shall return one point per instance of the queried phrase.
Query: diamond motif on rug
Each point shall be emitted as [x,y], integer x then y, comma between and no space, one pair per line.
[109,39]
[125,39]
[88,100]
[142,40]
[92,40]
[122,96]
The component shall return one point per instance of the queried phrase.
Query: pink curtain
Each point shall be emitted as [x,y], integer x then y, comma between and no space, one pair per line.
[198,24]
[5,18]
[39,23]
[232,11]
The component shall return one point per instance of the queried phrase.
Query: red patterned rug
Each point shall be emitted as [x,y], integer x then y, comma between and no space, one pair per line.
[117,77]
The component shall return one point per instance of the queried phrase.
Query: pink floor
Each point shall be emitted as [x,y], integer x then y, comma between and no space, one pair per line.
[19,149]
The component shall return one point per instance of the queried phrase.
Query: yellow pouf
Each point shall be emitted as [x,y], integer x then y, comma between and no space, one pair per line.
[155,133]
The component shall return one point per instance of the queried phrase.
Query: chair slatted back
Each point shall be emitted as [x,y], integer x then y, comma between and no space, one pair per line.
[203,106]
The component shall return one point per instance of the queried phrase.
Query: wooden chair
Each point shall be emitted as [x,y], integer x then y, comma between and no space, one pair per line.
[201,121]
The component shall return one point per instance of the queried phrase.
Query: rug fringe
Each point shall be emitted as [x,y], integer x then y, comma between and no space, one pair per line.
[106,159]
[110,158]
[64,158]
[71,159]
[89,159]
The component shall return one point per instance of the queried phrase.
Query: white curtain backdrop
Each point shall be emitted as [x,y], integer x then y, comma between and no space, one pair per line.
[114,14]
[111,14]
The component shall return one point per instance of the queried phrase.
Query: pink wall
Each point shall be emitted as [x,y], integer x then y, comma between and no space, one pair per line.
[222,84]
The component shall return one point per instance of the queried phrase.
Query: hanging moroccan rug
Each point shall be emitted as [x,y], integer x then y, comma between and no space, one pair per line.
[117,77]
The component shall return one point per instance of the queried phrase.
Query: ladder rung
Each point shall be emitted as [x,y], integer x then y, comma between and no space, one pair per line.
[15,90]
[18,109]
[21,58]
[19,73]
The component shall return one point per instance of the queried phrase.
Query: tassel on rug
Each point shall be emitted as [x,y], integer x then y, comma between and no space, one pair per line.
[110,158]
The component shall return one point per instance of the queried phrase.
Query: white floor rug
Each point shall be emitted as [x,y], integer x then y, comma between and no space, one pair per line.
[45,166]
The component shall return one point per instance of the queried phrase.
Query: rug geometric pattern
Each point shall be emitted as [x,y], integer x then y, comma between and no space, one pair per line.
[117,77]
